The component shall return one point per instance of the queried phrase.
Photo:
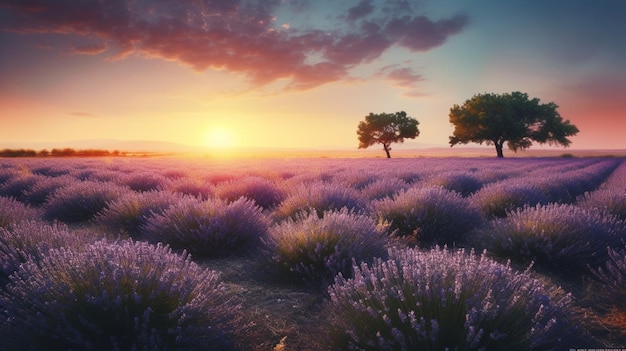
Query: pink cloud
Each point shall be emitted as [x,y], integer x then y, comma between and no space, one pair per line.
[403,77]
[240,37]
[89,49]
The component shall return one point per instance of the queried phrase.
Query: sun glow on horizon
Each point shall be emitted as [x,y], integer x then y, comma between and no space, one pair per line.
[221,138]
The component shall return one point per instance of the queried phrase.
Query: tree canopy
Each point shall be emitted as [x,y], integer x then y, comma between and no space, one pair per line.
[386,128]
[512,118]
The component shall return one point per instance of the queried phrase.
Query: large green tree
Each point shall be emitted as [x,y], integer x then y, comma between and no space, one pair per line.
[386,128]
[512,118]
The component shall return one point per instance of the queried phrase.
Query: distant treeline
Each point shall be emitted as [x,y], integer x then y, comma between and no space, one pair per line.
[67,152]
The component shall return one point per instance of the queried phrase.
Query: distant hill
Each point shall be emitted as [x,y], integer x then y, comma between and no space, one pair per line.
[110,144]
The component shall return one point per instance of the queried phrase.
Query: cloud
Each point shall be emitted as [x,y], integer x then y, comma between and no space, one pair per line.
[422,34]
[89,49]
[239,36]
[403,77]
[362,9]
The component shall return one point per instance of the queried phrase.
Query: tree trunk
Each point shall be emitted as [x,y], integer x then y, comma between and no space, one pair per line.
[387,150]
[499,145]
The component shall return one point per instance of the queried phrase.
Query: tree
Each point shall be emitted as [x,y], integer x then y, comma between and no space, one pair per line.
[386,128]
[511,118]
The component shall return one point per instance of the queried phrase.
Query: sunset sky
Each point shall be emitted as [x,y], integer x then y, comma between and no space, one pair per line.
[299,73]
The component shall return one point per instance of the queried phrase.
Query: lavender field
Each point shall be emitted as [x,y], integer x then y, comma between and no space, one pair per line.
[312,254]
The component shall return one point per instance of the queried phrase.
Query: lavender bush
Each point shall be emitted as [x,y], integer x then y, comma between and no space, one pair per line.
[17,187]
[175,174]
[563,239]
[497,199]
[357,178]
[461,182]
[193,187]
[386,187]
[318,197]
[264,192]
[99,175]
[209,228]
[7,174]
[38,194]
[127,214]
[316,249]
[31,240]
[612,201]
[80,201]
[116,296]
[13,211]
[144,181]
[216,177]
[613,278]
[439,300]
[431,215]
[51,170]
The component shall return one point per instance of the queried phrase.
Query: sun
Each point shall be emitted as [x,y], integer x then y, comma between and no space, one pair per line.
[220,138]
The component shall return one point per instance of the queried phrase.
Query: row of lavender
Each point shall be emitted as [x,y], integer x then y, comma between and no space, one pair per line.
[313,220]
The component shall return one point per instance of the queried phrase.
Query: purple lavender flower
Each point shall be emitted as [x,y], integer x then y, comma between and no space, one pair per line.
[611,201]
[81,200]
[17,187]
[264,192]
[208,228]
[496,199]
[386,187]
[441,299]
[316,249]
[613,278]
[144,181]
[13,211]
[563,239]
[31,240]
[430,215]
[318,197]
[120,295]
[39,193]
[461,182]
[128,213]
